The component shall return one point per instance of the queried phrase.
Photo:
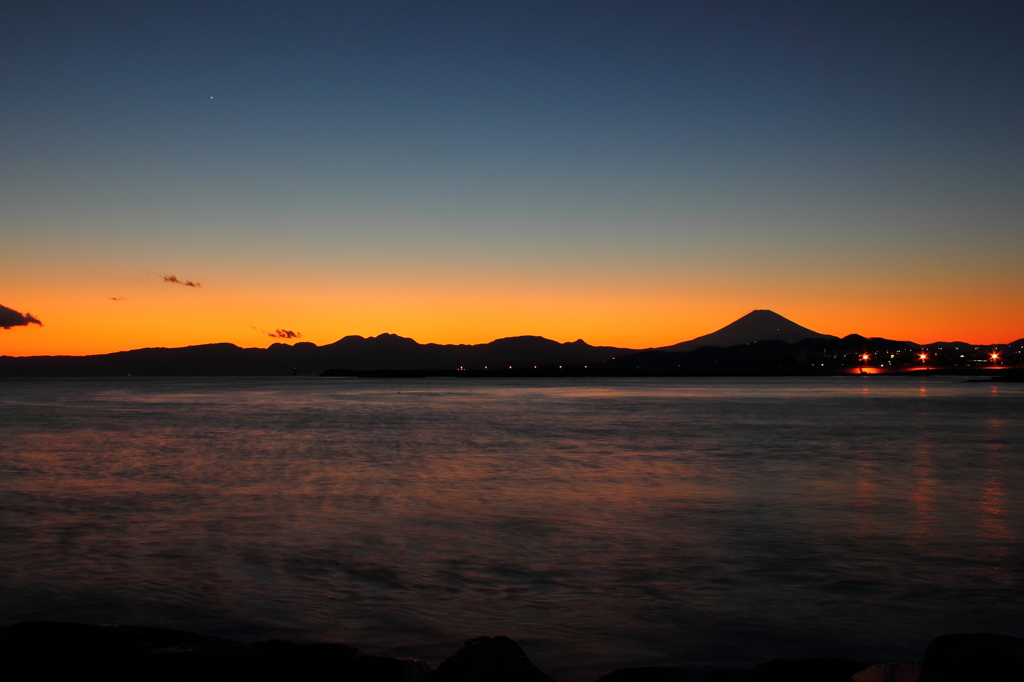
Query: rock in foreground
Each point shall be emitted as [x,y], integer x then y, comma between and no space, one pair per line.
[113,653]
[806,670]
[668,674]
[908,671]
[974,658]
[488,659]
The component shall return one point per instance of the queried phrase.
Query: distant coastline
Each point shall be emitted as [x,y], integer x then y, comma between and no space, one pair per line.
[761,343]
[373,358]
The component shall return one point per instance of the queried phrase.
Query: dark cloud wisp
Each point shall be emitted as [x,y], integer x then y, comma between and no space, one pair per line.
[172,279]
[278,333]
[12,318]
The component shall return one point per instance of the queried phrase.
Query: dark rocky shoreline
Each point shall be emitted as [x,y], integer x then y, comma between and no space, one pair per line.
[114,653]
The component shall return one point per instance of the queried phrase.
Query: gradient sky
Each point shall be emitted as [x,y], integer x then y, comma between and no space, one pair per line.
[632,173]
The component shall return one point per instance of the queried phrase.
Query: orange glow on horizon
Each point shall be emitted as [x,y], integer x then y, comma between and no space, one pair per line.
[108,316]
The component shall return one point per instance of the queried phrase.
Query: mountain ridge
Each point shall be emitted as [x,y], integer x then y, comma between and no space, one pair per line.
[390,352]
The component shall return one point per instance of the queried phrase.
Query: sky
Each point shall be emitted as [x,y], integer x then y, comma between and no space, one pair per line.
[630,173]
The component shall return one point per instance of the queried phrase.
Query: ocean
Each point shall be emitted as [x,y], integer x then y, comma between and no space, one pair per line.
[599,523]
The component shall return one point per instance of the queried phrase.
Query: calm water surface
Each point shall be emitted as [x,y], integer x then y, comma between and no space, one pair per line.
[600,523]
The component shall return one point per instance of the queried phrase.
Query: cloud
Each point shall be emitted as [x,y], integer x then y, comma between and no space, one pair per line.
[12,318]
[184,282]
[278,333]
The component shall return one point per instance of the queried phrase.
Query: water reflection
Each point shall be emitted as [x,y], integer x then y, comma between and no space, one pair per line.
[603,524]
[923,496]
[993,501]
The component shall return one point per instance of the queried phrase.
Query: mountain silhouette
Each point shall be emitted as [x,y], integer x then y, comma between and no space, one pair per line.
[762,342]
[759,325]
[390,351]
[386,352]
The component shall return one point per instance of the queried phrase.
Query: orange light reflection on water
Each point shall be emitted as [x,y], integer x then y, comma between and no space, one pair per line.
[992,502]
[923,496]
[865,497]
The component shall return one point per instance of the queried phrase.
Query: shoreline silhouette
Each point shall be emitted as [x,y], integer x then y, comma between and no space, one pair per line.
[762,343]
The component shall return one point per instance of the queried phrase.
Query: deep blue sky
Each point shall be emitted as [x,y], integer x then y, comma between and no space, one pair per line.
[707,157]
